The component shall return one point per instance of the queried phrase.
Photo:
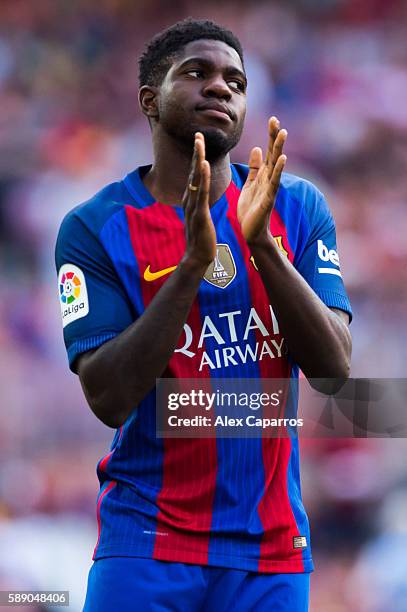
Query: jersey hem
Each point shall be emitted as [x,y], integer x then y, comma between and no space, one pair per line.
[333,299]
[86,344]
[269,566]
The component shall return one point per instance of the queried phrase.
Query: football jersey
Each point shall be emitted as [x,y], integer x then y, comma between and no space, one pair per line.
[227,502]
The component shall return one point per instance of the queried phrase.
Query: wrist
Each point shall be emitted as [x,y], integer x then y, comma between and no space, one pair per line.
[192,266]
[262,241]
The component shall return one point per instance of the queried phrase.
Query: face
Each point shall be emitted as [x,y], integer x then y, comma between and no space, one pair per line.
[205,91]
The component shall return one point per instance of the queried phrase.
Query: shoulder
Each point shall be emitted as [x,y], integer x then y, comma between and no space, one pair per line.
[299,188]
[296,195]
[291,185]
[305,195]
[93,213]
[80,232]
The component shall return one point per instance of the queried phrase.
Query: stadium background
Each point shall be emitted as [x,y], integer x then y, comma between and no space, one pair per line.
[335,73]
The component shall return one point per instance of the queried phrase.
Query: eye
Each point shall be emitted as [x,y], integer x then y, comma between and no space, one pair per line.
[236,84]
[195,73]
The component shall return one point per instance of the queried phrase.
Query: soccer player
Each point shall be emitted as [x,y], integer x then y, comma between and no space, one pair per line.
[199,270]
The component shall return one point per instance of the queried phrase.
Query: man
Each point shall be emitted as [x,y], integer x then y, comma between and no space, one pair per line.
[199,524]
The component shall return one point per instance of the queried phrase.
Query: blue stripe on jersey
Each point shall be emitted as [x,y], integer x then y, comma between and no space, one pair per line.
[129,467]
[135,185]
[140,461]
[238,178]
[238,480]
[294,494]
[296,226]
[179,211]
[115,237]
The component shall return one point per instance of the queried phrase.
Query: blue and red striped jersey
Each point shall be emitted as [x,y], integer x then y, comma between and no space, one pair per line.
[228,502]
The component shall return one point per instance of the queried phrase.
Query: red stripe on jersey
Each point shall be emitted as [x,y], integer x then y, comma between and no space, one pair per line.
[269,368]
[189,465]
[274,508]
[109,487]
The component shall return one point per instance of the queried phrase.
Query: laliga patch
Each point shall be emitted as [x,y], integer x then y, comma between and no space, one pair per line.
[73,295]
[222,270]
[299,542]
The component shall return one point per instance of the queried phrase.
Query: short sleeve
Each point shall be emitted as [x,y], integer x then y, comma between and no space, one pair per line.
[319,262]
[94,305]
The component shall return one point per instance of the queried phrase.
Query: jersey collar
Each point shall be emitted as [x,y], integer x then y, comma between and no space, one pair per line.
[134,184]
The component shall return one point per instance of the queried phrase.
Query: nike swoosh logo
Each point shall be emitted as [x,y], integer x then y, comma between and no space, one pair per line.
[152,276]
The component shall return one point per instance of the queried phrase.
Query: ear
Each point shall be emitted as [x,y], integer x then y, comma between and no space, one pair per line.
[147,97]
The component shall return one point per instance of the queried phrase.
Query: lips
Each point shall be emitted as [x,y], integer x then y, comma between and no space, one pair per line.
[216,109]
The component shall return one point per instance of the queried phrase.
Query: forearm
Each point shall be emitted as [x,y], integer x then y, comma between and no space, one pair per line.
[118,375]
[318,339]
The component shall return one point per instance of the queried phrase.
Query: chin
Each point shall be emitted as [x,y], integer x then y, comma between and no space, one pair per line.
[217,142]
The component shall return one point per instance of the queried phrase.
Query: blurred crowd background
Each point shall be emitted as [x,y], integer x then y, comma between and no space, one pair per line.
[335,73]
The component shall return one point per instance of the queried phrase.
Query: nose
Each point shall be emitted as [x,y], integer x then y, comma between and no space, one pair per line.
[216,87]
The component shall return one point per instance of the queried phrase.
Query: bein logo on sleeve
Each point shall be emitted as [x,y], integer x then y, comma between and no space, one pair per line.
[73,295]
[328,255]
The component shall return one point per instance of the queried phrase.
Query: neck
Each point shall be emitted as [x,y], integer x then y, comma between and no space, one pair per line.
[169,174]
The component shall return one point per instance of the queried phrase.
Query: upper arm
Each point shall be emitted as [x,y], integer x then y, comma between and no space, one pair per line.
[81,363]
[342,315]
[94,305]
[318,261]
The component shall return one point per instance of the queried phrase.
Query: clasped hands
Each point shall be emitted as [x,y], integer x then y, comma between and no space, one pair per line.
[256,200]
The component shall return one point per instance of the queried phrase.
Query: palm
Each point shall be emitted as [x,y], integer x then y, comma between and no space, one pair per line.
[258,195]
[253,209]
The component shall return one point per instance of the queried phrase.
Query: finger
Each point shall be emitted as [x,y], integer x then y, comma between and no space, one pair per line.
[255,161]
[194,185]
[277,150]
[273,128]
[203,194]
[190,194]
[275,179]
[199,136]
[186,198]
[199,156]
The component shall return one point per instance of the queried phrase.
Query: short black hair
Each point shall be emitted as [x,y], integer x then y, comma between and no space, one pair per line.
[161,51]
